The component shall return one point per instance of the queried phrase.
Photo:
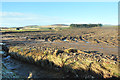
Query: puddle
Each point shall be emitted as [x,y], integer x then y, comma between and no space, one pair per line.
[6,57]
[75,40]
[2,43]
[71,39]
[64,40]
[24,69]
[2,52]
[85,41]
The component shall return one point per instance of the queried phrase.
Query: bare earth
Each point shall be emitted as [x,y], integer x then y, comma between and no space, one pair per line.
[103,40]
[94,40]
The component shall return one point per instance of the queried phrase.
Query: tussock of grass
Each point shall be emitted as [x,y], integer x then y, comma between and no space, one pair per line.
[64,59]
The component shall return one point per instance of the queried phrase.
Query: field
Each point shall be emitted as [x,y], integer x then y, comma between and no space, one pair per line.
[81,52]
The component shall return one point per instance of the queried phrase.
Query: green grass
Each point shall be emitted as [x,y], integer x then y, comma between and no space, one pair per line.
[31,29]
[25,30]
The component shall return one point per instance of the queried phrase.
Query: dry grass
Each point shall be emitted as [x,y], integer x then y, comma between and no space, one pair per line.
[70,59]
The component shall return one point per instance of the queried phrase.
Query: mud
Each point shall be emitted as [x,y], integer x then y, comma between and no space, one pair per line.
[25,70]
[103,41]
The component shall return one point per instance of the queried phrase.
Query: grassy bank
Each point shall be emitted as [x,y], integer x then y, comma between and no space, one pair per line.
[72,61]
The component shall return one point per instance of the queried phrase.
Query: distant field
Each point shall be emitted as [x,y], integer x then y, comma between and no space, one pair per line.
[35,28]
[42,28]
[54,26]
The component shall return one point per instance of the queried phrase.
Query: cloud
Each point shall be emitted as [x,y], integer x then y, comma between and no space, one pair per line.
[16,19]
[3,14]
[22,19]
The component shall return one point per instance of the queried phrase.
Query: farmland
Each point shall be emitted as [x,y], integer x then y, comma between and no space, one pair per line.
[73,52]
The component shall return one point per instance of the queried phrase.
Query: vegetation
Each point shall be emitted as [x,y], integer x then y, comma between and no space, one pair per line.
[67,49]
[85,25]
[69,60]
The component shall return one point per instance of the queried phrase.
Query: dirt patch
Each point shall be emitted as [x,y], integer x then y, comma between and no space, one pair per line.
[71,50]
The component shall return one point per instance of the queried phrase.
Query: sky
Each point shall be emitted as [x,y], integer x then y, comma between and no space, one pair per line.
[19,14]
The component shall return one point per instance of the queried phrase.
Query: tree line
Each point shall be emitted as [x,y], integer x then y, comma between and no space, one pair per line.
[85,25]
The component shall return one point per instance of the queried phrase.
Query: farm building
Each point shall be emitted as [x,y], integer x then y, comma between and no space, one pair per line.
[85,25]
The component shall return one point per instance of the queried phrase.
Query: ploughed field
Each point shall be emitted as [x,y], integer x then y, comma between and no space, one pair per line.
[88,53]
